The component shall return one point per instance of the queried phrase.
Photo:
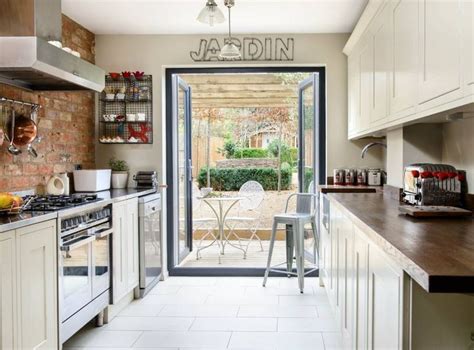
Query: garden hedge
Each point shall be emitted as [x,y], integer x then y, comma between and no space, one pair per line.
[250,153]
[231,179]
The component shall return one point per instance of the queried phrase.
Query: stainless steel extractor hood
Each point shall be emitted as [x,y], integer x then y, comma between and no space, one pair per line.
[27,59]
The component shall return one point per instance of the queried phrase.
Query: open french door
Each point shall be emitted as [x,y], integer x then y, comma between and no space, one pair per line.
[182,169]
[311,165]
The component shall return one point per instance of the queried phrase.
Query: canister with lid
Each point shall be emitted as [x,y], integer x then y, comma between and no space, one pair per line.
[339,176]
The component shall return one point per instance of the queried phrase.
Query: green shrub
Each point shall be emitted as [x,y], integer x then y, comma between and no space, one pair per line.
[250,153]
[288,154]
[228,150]
[231,179]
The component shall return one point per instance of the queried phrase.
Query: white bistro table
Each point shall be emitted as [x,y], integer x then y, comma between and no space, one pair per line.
[221,207]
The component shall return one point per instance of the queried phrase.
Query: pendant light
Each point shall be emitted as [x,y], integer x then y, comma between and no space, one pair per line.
[211,14]
[229,51]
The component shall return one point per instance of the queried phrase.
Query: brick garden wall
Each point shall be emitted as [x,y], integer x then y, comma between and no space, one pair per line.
[66,123]
[248,163]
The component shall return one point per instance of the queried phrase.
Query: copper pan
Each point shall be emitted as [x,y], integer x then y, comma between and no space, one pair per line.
[25,131]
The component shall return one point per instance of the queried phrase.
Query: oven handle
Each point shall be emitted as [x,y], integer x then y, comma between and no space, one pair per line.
[77,244]
[104,233]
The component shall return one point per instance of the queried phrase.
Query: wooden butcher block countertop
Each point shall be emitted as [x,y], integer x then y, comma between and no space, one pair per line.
[438,253]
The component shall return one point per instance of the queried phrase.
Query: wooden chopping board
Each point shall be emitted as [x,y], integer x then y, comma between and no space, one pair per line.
[433,211]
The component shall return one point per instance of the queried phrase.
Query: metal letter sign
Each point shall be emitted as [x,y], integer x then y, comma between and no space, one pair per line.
[252,49]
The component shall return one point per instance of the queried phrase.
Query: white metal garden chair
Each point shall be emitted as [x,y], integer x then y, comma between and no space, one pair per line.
[252,194]
[206,223]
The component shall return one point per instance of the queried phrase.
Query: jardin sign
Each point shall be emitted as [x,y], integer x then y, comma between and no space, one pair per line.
[252,49]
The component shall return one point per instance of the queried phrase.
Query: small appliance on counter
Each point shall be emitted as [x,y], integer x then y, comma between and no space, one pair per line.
[433,184]
[146,179]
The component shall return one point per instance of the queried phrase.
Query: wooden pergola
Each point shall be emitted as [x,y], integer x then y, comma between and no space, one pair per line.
[241,91]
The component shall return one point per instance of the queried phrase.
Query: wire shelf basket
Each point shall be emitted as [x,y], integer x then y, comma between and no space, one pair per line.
[126,111]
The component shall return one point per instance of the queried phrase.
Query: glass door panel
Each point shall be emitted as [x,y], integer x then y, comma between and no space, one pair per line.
[183,175]
[309,164]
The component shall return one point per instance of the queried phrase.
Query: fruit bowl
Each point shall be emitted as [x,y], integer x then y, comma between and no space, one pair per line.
[11,204]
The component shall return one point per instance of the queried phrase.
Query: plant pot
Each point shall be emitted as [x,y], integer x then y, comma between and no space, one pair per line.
[119,179]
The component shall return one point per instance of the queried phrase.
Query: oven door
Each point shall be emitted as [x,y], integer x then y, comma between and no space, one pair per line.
[101,260]
[75,272]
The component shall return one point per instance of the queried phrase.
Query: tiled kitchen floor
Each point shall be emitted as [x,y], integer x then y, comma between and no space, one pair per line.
[217,313]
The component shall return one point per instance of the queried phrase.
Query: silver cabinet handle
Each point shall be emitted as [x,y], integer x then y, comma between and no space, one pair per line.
[77,243]
[104,233]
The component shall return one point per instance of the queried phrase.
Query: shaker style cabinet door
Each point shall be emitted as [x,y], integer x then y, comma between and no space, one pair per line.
[346,280]
[440,51]
[366,82]
[37,286]
[132,243]
[382,41]
[119,252]
[8,315]
[403,81]
[385,299]
[353,70]
[360,285]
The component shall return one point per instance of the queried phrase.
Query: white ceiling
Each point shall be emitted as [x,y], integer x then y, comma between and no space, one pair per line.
[248,16]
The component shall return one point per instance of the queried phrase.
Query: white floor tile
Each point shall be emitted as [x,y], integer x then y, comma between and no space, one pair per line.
[303,299]
[307,325]
[174,299]
[325,311]
[277,311]
[137,308]
[212,290]
[190,281]
[241,300]
[235,324]
[243,282]
[183,339]
[256,291]
[333,341]
[199,311]
[150,324]
[293,282]
[278,341]
[102,338]
[164,289]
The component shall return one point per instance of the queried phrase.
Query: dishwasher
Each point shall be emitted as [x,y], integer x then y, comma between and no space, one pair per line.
[149,210]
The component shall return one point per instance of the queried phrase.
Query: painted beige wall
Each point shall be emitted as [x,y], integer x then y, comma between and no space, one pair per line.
[150,53]
[448,143]
[458,147]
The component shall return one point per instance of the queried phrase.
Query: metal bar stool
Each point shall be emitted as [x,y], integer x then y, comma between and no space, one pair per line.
[295,233]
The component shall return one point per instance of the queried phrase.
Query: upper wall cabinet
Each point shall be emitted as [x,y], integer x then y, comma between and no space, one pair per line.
[412,59]
[382,38]
[403,80]
[440,51]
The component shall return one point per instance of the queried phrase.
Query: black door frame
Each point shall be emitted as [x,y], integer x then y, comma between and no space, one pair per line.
[169,72]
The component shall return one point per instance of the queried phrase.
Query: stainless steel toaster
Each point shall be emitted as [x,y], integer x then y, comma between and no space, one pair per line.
[433,184]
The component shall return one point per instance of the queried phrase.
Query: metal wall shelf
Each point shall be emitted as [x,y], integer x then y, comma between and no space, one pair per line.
[138,99]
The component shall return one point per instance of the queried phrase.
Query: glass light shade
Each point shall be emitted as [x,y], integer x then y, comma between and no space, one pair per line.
[211,14]
[230,51]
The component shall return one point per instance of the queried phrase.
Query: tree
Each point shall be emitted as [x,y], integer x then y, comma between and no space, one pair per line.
[209,114]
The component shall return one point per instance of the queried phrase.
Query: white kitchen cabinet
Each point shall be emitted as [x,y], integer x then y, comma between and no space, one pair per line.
[385,298]
[360,292]
[37,286]
[8,293]
[345,285]
[440,52]
[409,60]
[333,270]
[353,71]
[404,78]
[366,58]
[125,248]
[382,41]
[132,239]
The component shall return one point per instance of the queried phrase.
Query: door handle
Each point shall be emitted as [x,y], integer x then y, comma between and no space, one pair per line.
[77,243]
[104,233]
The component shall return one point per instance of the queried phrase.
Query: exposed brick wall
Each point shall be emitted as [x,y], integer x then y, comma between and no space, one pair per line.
[66,123]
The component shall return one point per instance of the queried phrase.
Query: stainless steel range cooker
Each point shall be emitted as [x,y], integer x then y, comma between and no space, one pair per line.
[84,257]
